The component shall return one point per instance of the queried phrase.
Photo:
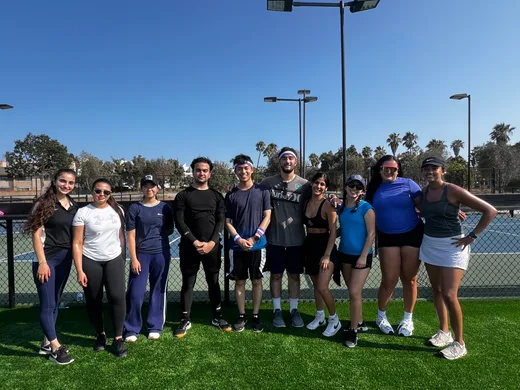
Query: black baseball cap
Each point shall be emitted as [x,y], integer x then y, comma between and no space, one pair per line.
[435,161]
[148,179]
[356,178]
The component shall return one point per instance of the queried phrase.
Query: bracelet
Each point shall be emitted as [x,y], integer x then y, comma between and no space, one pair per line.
[236,237]
[43,262]
[260,231]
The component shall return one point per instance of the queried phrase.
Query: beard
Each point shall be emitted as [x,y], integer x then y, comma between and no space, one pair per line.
[287,170]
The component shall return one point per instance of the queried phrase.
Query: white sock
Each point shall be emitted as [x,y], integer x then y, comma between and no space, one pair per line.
[320,313]
[293,304]
[277,304]
[381,314]
[333,316]
[407,316]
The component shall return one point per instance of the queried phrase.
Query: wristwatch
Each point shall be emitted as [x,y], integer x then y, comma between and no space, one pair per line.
[256,238]
[472,235]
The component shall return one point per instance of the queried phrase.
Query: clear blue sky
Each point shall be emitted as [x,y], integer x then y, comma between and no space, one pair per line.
[186,78]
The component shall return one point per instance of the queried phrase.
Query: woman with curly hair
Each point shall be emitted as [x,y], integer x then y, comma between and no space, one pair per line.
[99,255]
[50,223]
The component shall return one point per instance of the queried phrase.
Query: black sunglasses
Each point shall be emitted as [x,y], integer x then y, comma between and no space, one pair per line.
[358,187]
[105,192]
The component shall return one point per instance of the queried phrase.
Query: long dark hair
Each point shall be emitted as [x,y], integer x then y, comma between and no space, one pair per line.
[111,200]
[375,176]
[321,175]
[43,208]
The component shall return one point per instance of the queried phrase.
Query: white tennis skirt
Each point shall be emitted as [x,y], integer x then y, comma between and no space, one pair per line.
[439,251]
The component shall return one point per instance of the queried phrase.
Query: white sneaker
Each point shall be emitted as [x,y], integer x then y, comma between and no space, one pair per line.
[318,321]
[405,328]
[333,327]
[441,339]
[131,339]
[154,335]
[454,351]
[384,325]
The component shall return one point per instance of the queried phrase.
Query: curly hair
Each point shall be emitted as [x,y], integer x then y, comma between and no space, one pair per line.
[43,208]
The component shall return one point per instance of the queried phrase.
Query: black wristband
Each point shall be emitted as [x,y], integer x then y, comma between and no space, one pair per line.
[472,235]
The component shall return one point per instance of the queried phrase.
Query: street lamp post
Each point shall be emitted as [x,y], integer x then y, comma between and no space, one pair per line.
[355,6]
[306,99]
[461,96]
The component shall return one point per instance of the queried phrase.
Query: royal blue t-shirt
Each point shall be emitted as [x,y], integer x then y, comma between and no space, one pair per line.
[246,211]
[394,207]
[353,229]
[151,226]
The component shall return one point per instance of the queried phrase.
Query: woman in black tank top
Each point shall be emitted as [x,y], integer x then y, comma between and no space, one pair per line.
[444,250]
[319,246]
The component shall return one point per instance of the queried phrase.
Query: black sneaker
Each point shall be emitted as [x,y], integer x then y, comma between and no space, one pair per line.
[45,349]
[351,338]
[118,348]
[221,324]
[183,327]
[240,325]
[60,356]
[257,324]
[101,342]
[362,327]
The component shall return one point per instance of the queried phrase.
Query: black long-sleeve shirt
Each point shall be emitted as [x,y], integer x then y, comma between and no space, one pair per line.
[199,215]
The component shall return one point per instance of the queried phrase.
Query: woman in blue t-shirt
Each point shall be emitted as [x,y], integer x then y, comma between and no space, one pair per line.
[399,234]
[149,223]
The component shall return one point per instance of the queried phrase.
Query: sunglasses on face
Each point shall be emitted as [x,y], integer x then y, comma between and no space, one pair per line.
[104,192]
[389,169]
[357,186]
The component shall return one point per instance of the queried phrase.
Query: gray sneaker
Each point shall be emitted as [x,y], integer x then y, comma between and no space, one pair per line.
[278,321]
[296,320]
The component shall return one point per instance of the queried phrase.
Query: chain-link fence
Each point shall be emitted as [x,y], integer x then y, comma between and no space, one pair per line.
[494,269]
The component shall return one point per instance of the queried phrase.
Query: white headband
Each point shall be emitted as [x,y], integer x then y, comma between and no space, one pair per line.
[243,163]
[288,153]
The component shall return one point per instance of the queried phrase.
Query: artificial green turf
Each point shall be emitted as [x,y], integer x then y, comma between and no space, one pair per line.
[275,359]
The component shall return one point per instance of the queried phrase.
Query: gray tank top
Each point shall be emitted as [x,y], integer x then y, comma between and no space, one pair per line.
[442,217]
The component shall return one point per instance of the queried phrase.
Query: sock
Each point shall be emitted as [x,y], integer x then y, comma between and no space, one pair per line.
[185,315]
[381,314]
[242,315]
[293,303]
[320,313]
[277,305]
[407,316]
[217,312]
[256,316]
[333,316]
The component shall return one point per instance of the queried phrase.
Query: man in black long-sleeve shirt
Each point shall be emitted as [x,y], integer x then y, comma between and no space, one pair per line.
[199,217]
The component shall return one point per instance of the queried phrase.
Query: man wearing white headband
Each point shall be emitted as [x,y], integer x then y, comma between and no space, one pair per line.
[286,234]
[248,212]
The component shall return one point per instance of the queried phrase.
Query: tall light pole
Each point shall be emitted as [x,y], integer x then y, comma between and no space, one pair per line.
[306,99]
[355,6]
[5,107]
[461,96]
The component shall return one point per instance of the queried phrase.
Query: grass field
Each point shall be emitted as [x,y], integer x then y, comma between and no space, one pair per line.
[275,359]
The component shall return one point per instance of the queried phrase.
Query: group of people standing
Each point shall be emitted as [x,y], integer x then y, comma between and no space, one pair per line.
[284,223]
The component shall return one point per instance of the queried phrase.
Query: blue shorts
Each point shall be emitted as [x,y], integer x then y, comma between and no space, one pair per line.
[281,258]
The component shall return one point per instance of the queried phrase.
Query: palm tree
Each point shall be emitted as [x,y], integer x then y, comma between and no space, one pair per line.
[456,146]
[366,152]
[410,140]
[314,160]
[379,152]
[260,147]
[393,141]
[501,132]
[270,150]
[436,147]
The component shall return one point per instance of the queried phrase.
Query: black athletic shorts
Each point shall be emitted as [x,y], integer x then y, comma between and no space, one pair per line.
[190,260]
[313,250]
[411,238]
[244,265]
[352,259]
[281,258]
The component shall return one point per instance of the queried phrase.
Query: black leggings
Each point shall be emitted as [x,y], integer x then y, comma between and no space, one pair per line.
[110,274]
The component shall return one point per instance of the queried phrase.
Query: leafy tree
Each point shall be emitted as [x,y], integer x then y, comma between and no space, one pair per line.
[37,155]
[89,168]
[393,141]
[314,160]
[456,146]
[367,152]
[270,150]
[501,133]
[222,177]
[436,147]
